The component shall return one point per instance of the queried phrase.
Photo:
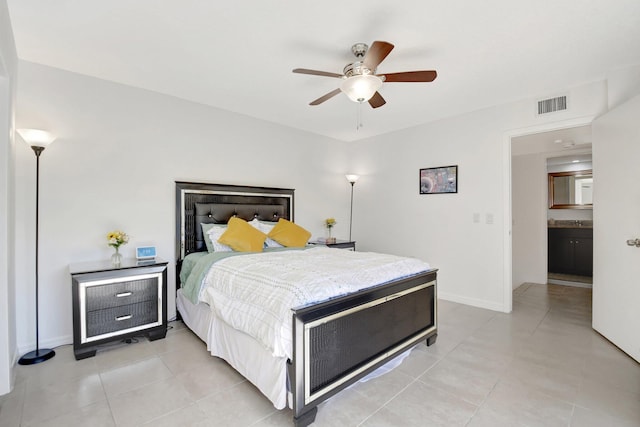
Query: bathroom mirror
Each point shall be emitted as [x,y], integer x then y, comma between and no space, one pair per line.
[571,190]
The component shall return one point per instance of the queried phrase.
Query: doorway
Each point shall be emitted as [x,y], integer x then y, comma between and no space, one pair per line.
[527,207]
[570,220]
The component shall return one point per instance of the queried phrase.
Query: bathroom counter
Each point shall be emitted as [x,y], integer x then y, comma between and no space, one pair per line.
[570,223]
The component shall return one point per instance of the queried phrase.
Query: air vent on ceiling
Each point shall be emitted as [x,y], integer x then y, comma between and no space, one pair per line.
[552,104]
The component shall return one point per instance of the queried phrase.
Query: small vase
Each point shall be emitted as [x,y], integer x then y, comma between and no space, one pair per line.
[329,238]
[116,258]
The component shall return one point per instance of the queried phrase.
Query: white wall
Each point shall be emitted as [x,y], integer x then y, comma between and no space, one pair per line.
[118,153]
[623,84]
[121,148]
[570,214]
[529,201]
[390,215]
[8,72]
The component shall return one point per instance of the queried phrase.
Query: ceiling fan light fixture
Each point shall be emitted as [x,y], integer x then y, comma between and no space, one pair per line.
[361,88]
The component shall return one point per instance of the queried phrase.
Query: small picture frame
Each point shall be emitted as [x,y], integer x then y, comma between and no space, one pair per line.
[145,252]
[439,180]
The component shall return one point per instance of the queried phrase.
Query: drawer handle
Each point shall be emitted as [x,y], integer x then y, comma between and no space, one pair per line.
[128,316]
[124,294]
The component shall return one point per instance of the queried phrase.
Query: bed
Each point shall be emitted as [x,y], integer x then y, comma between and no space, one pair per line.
[334,342]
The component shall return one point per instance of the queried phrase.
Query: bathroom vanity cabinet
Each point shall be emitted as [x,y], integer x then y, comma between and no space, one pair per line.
[570,251]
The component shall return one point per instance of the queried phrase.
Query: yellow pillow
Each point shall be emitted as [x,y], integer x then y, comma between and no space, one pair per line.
[242,237]
[289,234]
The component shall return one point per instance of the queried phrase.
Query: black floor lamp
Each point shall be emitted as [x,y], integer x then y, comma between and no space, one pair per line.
[38,140]
[352,180]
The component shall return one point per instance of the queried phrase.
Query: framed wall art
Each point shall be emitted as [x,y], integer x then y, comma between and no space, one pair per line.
[439,180]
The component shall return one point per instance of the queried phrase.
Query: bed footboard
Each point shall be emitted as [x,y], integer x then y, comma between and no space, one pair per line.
[338,342]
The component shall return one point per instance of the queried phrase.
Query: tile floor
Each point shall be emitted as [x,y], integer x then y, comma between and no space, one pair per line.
[541,365]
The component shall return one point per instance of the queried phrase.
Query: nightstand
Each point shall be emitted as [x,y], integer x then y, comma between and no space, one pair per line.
[114,303]
[339,244]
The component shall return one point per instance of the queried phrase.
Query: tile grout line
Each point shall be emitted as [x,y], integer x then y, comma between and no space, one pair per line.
[403,389]
[483,402]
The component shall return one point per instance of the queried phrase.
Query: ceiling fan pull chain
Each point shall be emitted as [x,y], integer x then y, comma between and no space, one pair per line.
[359,116]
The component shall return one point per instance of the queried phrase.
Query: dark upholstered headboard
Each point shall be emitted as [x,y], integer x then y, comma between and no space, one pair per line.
[198,203]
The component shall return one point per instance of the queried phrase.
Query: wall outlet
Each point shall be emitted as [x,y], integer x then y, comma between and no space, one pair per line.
[476,217]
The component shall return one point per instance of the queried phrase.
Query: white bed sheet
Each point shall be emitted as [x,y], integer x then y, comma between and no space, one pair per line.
[243,353]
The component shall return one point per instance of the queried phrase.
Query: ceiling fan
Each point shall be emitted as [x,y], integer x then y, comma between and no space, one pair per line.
[360,81]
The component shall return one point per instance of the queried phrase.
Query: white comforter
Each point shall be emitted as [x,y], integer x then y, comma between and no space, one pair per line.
[254,293]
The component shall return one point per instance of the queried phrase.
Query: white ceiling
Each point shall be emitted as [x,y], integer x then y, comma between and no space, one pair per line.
[238,55]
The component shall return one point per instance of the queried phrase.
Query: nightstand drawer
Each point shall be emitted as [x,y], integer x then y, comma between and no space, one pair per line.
[101,322]
[122,293]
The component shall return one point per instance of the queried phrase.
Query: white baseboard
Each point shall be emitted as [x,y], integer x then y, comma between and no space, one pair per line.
[569,283]
[489,305]
[49,343]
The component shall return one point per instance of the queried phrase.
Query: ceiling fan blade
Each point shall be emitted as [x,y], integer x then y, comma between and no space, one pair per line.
[316,73]
[376,54]
[377,100]
[411,76]
[325,97]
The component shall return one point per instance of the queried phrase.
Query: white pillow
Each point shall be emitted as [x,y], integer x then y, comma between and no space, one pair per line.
[214,235]
[266,227]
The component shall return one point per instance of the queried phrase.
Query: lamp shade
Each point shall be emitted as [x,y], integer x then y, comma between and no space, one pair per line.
[361,88]
[36,137]
[352,178]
